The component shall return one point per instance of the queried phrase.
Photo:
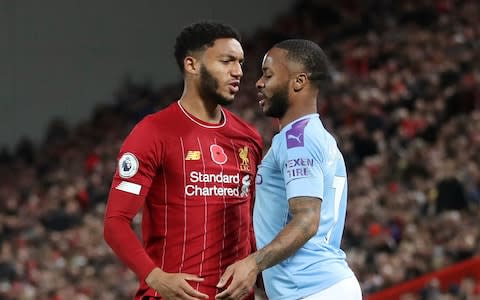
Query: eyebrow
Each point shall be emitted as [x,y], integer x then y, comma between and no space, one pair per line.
[231,56]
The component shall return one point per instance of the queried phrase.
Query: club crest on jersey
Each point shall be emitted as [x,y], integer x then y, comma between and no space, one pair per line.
[127,165]
[193,155]
[245,163]
[218,154]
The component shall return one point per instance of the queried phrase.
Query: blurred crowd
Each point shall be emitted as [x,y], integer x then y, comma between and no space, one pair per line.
[405,109]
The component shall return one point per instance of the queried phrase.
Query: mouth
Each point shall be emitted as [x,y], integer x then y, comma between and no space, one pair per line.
[261,99]
[234,86]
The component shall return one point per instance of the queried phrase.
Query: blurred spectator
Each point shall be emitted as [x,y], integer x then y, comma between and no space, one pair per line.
[405,105]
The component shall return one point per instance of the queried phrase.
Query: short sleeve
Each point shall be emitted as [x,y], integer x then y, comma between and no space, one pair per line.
[301,169]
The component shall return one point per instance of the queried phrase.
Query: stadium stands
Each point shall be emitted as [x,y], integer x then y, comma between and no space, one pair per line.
[405,108]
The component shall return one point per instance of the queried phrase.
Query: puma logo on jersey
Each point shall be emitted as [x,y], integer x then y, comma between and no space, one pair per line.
[297,138]
[295,135]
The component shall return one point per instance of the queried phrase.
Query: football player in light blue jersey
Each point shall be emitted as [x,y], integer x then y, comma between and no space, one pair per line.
[301,189]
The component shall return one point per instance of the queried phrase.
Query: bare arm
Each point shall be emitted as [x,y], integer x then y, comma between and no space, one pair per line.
[121,208]
[305,213]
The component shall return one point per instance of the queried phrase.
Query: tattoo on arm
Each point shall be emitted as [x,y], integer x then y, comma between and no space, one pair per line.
[305,213]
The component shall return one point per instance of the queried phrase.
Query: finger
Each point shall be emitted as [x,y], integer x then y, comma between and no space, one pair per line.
[191,277]
[233,291]
[223,295]
[226,294]
[239,296]
[245,294]
[225,277]
[229,296]
[229,292]
[190,291]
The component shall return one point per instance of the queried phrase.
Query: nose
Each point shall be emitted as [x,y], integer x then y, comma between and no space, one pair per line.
[260,84]
[237,70]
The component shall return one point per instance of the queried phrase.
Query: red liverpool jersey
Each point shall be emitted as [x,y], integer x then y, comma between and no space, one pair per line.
[195,182]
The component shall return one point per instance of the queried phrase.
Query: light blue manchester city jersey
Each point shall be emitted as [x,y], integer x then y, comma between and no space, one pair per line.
[303,160]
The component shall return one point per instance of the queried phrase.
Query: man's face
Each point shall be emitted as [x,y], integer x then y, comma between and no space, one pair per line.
[221,71]
[273,86]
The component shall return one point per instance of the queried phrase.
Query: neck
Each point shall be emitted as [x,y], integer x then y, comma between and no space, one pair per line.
[199,107]
[298,109]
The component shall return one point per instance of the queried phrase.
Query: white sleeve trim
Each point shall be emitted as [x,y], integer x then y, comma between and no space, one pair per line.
[129,187]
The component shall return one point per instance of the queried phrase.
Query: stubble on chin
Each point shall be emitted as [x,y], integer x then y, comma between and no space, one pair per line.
[209,89]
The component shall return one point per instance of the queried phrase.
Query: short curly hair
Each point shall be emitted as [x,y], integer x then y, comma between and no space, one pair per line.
[311,56]
[200,35]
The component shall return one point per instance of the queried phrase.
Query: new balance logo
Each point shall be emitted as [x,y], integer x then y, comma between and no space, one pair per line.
[193,155]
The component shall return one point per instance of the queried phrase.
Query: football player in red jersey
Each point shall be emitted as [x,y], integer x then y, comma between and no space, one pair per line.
[191,168]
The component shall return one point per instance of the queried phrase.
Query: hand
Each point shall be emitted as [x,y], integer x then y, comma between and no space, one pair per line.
[243,275]
[174,285]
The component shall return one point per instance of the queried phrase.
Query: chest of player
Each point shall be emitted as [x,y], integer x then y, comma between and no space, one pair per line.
[211,166]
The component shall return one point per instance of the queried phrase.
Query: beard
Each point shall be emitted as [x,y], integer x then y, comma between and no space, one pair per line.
[278,104]
[209,88]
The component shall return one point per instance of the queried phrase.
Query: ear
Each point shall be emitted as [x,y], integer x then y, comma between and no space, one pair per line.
[191,65]
[300,82]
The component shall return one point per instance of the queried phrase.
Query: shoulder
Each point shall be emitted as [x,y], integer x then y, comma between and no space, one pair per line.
[315,132]
[305,136]
[152,127]
[320,141]
[160,120]
[238,124]
[165,117]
